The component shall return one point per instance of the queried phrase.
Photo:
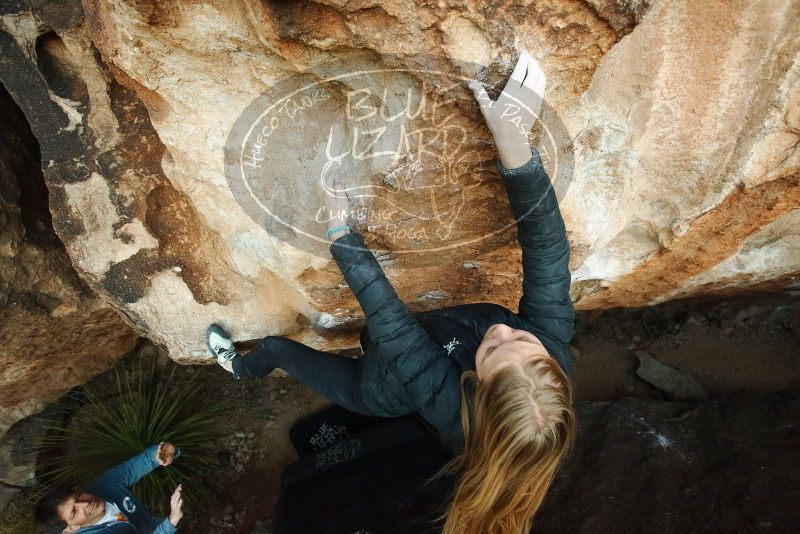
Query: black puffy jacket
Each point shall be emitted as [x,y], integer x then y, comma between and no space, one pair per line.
[413,363]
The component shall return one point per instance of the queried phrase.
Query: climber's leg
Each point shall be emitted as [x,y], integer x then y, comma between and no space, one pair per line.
[332,376]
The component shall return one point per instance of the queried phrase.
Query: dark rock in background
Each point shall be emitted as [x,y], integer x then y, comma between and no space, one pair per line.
[725,465]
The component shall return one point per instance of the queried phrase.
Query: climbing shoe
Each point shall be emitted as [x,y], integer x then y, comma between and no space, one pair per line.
[221,347]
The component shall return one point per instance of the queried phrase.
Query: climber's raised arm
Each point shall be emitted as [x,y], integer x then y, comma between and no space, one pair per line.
[542,236]
[407,350]
[390,324]
[545,251]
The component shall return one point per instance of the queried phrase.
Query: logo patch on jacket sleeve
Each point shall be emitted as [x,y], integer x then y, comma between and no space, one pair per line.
[451,345]
[128,506]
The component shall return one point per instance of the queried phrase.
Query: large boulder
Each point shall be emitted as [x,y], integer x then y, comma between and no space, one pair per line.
[671,131]
[55,332]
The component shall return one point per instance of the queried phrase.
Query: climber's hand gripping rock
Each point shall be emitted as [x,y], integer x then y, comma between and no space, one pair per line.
[514,113]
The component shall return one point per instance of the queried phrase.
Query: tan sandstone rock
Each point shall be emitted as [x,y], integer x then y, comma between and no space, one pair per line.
[672,130]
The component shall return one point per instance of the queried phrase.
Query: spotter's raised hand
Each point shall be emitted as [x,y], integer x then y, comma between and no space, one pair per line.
[165,453]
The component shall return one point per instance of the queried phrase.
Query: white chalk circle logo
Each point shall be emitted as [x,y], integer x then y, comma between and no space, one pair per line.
[418,176]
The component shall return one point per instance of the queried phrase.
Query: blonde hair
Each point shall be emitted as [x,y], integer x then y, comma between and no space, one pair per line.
[518,426]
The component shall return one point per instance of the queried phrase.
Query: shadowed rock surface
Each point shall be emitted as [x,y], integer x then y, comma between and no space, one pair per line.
[724,465]
[55,332]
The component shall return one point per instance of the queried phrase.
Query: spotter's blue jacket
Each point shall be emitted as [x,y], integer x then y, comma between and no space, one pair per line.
[114,486]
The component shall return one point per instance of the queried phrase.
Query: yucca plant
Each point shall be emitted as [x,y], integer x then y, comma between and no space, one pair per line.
[148,405]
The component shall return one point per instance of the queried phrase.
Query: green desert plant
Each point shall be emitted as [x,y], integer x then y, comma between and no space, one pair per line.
[148,405]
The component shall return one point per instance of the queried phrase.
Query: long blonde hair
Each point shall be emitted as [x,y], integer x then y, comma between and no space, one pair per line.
[518,426]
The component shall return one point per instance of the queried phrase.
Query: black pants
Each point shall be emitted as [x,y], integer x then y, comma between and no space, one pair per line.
[338,378]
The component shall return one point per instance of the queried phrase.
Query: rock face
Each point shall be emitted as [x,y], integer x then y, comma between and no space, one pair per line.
[55,332]
[671,134]
[688,165]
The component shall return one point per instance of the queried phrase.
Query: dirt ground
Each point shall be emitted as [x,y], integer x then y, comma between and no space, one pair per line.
[747,345]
